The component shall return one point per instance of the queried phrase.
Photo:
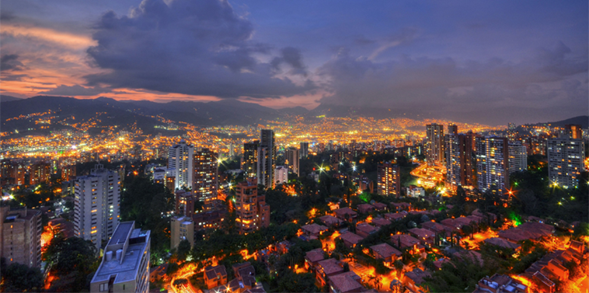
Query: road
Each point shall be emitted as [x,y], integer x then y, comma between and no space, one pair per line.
[366,273]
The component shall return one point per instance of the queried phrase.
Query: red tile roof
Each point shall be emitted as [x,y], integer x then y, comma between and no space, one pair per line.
[385,250]
[346,282]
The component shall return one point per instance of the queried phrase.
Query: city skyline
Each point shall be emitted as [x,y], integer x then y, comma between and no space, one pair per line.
[461,61]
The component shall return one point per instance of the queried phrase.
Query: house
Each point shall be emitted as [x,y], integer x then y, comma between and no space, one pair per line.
[350,239]
[503,243]
[347,282]
[424,236]
[385,252]
[326,268]
[404,241]
[365,208]
[441,261]
[215,276]
[437,228]
[395,216]
[313,257]
[341,214]
[500,284]
[379,206]
[415,278]
[525,231]
[246,274]
[543,283]
[577,246]
[364,230]
[400,206]
[330,221]
[379,222]
[313,231]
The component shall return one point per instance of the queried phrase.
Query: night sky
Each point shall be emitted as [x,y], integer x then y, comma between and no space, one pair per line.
[487,61]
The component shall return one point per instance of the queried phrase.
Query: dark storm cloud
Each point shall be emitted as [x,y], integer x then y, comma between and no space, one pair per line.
[292,57]
[190,47]
[75,90]
[10,62]
[550,78]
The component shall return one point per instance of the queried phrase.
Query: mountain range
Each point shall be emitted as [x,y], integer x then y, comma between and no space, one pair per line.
[224,112]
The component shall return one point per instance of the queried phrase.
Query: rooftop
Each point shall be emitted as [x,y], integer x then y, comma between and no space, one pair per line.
[126,268]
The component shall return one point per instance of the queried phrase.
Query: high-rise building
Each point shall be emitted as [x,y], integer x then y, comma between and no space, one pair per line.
[304,150]
[281,174]
[434,147]
[249,163]
[292,160]
[518,157]
[68,172]
[565,161]
[40,172]
[12,173]
[453,129]
[459,170]
[20,236]
[388,179]
[574,131]
[125,263]
[204,181]
[492,160]
[252,212]
[182,228]
[184,203]
[266,158]
[180,160]
[97,204]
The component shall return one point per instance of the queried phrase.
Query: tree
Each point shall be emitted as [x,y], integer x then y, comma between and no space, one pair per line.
[20,278]
[74,258]
[183,249]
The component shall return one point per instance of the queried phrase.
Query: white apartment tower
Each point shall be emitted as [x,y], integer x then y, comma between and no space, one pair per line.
[492,155]
[125,263]
[565,161]
[181,161]
[97,204]
[518,157]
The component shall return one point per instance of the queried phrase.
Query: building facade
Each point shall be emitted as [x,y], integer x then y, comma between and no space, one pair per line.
[459,168]
[304,150]
[97,204]
[565,161]
[20,236]
[388,179]
[252,212]
[518,157]
[492,161]
[434,146]
[249,163]
[125,263]
[182,228]
[205,178]
[180,161]
[293,159]
[281,175]
[266,163]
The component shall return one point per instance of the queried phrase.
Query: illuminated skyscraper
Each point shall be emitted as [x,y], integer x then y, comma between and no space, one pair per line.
[459,169]
[388,179]
[251,209]
[304,150]
[180,161]
[518,157]
[492,155]
[292,160]
[266,158]
[204,180]
[434,146]
[565,161]
[574,131]
[97,205]
[20,236]
[453,129]
[249,163]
